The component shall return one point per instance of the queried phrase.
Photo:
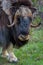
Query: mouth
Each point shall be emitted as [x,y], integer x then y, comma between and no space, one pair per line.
[23,37]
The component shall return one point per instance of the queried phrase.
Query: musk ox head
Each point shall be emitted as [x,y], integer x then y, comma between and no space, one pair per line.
[22,21]
[21,24]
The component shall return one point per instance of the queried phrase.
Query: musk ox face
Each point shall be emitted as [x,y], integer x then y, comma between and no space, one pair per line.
[22,27]
[23,19]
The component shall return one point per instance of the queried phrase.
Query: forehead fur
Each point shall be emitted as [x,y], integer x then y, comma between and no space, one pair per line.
[24,11]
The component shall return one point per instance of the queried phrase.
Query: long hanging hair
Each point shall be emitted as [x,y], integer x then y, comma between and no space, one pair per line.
[3,18]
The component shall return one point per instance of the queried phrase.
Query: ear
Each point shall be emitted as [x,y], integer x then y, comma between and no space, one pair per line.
[33,9]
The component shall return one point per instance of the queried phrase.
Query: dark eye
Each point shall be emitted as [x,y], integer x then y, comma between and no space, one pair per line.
[18,20]
[30,18]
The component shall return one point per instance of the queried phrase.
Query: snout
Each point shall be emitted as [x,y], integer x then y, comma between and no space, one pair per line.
[23,37]
[24,28]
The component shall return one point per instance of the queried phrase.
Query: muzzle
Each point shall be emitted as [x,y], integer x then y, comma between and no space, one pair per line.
[23,37]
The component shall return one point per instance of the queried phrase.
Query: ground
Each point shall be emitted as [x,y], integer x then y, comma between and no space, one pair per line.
[31,53]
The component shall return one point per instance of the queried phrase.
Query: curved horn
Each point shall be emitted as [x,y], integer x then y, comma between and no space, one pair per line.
[34,26]
[15,19]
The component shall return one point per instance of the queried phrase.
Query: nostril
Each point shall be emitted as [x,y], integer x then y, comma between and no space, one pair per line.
[25,33]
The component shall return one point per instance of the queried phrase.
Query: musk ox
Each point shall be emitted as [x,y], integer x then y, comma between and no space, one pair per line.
[15,33]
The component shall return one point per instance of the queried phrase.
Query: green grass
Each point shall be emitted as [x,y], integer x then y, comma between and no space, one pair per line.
[30,54]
